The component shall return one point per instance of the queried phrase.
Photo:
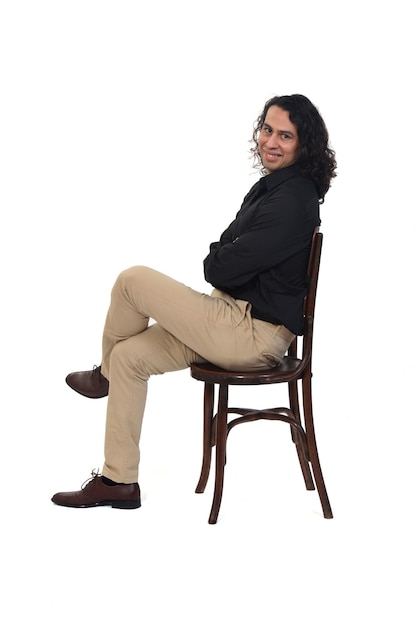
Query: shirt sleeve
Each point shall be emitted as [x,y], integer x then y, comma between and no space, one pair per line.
[273,232]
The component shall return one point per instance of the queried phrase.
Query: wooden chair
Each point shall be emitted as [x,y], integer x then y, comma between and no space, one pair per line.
[294,368]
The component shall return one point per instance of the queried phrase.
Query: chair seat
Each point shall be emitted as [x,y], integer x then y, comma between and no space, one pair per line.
[210,373]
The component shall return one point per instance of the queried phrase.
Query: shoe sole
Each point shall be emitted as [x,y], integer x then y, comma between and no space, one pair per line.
[122,504]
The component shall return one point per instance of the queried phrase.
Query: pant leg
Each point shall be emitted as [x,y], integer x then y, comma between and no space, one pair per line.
[190,326]
[218,328]
[131,363]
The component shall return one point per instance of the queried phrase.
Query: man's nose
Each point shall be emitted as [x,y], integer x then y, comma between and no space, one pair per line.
[273,141]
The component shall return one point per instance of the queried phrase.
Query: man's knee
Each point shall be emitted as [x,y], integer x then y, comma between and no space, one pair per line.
[134,273]
[139,355]
[123,356]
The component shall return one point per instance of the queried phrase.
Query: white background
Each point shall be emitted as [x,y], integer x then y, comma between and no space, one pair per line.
[125,132]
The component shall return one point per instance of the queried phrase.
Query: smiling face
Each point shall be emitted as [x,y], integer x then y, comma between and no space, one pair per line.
[278,140]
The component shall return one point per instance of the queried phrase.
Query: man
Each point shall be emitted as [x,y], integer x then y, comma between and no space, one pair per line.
[258,271]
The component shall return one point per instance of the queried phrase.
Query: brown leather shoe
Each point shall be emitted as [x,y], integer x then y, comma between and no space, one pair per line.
[95,493]
[91,384]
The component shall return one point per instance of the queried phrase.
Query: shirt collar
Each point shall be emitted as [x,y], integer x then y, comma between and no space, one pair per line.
[270,181]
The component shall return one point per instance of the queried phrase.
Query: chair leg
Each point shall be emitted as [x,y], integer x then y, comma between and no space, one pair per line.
[312,447]
[221,437]
[294,405]
[207,436]
[295,408]
[305,468]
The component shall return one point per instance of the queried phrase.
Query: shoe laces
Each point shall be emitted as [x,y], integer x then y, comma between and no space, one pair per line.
[96,371]
[95,473]
[97,376]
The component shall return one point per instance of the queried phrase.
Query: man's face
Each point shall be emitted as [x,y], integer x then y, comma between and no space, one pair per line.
[278,140]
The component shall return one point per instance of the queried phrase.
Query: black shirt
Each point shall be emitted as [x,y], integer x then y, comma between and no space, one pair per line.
[262,256]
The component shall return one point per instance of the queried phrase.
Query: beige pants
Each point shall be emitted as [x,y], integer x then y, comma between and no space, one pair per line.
[190,326]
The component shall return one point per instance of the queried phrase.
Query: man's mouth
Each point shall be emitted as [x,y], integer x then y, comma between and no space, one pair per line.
[271,156]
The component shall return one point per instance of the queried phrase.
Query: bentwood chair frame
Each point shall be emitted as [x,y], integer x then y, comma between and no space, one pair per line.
[293,370]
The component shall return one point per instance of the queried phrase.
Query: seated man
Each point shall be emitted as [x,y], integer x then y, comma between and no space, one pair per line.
[258,270]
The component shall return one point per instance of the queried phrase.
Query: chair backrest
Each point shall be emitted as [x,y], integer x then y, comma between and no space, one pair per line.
[310,298]
[313,272]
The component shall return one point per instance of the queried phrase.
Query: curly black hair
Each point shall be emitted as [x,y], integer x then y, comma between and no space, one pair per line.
[315,158]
